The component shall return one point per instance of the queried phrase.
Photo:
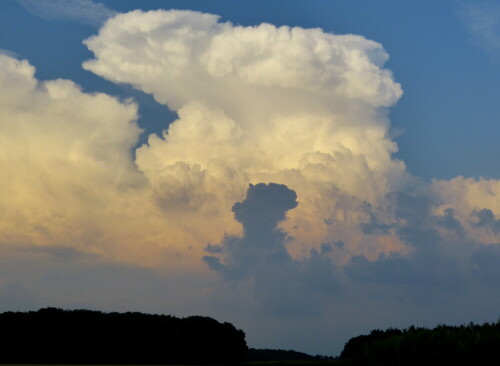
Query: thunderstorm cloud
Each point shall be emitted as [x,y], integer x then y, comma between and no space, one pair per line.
[276,189]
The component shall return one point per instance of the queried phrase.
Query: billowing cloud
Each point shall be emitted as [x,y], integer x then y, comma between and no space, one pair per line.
[65,156]
[72,181]
[298,107]
[82,11]
[295,106]
[279,171]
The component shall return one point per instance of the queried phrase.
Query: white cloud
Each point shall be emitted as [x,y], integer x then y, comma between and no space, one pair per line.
[70,180]
[262,104]
[54,140]
[293,106]
[68,154]
[82,11]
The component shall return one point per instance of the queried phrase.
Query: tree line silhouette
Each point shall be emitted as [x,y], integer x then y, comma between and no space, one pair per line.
[446,345]
[56,336]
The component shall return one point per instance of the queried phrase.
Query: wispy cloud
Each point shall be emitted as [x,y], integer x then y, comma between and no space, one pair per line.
[82,11]
[9,53]
[482,20]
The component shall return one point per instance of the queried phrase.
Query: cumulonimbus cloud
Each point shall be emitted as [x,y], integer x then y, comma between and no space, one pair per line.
[297,107]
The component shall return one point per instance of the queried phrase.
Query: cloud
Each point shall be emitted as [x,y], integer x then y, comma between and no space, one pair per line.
[53,139]
[72,182]
[82,11]
[482,19]
[447,234]
[299,107]
[185,46]
[9,53]
[339,230]
[283,286]
[487,220]
[64,253]
[260,213]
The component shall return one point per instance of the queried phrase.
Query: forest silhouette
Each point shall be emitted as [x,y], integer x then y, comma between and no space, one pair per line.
[56,336]
[470,344]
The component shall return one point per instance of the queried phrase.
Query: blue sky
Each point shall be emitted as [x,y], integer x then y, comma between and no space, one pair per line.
[176,162]
[446,122]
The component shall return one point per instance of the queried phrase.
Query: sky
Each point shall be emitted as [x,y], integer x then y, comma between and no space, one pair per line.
[306,170]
